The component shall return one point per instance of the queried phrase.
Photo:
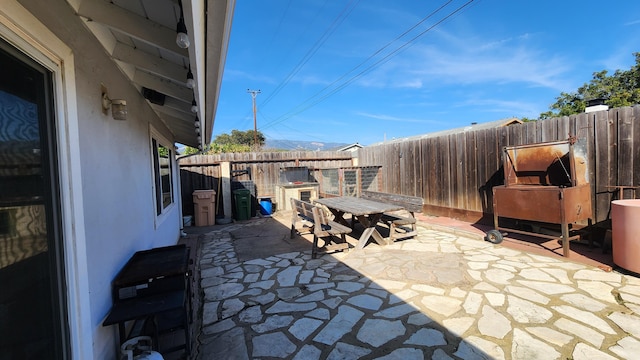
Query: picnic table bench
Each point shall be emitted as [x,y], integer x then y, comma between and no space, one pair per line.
[367,212]
[321,227]
[401,223]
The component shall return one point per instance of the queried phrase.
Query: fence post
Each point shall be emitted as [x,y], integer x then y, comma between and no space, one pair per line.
[225,177]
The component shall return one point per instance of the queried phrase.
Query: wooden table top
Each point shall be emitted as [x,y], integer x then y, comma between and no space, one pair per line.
[357,206]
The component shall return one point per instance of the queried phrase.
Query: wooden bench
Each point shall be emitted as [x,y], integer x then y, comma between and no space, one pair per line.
[402,224]
[321,227]
[302,211]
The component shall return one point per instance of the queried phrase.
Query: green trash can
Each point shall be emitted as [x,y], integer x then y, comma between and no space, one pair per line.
[243,204]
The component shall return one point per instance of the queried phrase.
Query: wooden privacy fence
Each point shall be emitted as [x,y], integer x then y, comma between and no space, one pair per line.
[455,173]
[202,172]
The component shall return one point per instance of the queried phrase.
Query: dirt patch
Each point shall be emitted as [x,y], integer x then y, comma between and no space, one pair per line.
[272,237]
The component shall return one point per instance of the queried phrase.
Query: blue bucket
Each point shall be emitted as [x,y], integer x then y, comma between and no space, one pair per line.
[265,206]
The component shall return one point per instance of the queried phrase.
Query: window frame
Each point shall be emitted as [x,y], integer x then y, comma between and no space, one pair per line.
[157,140]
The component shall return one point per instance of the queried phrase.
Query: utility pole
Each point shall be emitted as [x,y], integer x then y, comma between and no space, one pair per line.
[254,93]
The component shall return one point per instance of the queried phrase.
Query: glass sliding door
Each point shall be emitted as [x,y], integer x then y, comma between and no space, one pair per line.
[33,321]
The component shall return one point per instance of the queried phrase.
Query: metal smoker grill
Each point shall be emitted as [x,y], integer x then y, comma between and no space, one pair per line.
[544,182]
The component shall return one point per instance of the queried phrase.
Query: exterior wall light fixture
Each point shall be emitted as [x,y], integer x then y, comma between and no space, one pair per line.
[118,106]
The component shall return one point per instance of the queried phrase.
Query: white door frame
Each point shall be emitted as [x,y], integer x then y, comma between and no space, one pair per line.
[25,32]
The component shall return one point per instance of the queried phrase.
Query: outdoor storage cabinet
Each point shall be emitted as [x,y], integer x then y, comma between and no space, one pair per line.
[152,271]
[153,290]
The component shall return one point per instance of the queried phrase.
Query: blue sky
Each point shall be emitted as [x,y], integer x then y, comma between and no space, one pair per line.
[341,71]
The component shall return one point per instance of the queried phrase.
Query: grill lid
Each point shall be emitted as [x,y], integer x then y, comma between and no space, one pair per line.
[295,175]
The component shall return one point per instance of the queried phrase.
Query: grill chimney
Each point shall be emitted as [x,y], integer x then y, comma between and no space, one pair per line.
[597,104]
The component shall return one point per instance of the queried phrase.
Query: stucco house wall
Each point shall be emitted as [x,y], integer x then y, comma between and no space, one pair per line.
[105,165]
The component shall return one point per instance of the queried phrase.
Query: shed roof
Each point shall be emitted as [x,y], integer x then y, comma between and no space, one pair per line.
[350,147]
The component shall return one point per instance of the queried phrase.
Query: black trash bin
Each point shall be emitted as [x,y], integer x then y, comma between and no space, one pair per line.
[242,201]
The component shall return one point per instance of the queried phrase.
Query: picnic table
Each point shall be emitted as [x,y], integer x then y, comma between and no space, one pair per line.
[367,212]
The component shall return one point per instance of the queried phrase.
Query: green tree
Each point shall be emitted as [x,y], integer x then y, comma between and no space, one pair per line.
[238,137]
[620,89]
[188,150]
[237,141]
[216,148]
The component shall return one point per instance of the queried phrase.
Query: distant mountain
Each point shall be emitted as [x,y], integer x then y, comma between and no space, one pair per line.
[302,145]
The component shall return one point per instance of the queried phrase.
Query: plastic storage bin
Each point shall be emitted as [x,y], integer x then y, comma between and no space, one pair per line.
[266,207]
[204,207]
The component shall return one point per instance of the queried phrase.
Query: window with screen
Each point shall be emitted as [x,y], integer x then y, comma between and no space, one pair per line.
[163,175]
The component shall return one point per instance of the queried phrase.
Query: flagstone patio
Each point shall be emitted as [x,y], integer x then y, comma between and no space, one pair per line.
[440,295]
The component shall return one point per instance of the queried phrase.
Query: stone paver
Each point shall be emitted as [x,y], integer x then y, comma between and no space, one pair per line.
[436,296]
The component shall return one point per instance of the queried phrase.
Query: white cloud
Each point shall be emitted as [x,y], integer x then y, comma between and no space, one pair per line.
[385,117]
[232,74]
[414,83]
[312,80]
[505,66]
[497,44]
[452,59]
[515,107]
[620,58]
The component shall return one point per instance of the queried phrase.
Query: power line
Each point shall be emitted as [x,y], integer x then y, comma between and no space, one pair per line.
[344,13]
[301,35]
[373,55]
[296,130]
[385,46]
[310,102]
[278,29]
[317,98]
